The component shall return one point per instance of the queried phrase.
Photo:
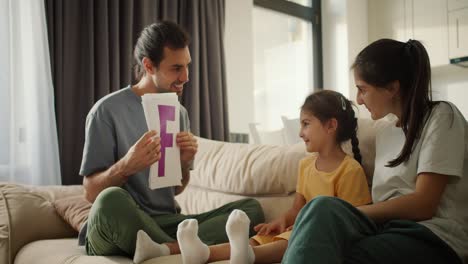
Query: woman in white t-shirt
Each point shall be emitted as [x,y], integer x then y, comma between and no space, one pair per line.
[420,184]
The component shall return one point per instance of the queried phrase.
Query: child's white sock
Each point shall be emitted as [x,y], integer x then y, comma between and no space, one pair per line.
[146,248]
[237,229]
[193,250]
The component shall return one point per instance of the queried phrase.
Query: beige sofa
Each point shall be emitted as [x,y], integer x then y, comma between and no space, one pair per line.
[31,231]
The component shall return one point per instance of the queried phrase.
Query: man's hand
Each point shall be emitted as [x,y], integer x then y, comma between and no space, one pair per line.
[145,152]
[276,227]
[188,148]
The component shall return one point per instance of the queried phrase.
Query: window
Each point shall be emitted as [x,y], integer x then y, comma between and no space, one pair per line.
[287,58]
[302,2]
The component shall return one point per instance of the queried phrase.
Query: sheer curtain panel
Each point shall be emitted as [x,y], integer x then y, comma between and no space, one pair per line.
[28,134]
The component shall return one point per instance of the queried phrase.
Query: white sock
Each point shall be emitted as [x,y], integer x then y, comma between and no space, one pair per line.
[237,229]
[146,248]
[193,250]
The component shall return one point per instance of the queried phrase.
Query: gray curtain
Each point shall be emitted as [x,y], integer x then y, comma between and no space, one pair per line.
[91,44]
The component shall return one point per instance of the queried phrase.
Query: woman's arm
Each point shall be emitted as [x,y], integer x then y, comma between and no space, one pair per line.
[418,206]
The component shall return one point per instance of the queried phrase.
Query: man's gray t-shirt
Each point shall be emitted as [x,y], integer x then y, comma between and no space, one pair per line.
[113,126]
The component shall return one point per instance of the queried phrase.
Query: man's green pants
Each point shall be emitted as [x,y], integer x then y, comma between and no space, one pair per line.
[115,219]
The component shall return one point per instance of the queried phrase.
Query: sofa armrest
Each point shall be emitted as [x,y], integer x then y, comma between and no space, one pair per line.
[27,214]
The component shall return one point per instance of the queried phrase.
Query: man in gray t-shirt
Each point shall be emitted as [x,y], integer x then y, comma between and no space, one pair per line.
[119,150]
[113,126]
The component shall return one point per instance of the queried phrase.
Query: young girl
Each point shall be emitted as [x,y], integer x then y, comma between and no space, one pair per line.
[420,184]
[327,120]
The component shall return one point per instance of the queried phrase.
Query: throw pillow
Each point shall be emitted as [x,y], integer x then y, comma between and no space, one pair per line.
[74,210]
[292,128]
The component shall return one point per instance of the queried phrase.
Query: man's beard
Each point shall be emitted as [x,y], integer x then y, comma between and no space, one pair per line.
[163,90]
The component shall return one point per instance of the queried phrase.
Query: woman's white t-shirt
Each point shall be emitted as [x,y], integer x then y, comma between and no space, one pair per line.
[442,149]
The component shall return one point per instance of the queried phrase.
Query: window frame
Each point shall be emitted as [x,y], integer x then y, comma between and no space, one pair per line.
[311,14]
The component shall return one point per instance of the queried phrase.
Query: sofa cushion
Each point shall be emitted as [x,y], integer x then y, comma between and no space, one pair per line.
[30,213]
[62,251]
[74,210]
[246,169]
[58,251]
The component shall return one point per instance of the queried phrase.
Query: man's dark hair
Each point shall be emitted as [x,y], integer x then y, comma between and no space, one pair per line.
[152,41]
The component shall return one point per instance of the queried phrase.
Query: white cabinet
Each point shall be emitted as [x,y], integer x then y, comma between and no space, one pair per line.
[457,4]
[423,20]
[430,27]
[458,33]
[389,19]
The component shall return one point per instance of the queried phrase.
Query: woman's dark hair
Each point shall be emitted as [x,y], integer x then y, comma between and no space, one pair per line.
[385,61]
[327,104]
[152,41]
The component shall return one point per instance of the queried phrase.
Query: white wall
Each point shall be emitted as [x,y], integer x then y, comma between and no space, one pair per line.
[335,48]
[238,41]
[345,34]
[358,36]
[450,83]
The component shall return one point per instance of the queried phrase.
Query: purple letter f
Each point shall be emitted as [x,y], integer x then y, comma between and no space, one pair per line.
[166,113]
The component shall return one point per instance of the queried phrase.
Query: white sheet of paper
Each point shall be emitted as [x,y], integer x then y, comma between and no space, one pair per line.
[162,114]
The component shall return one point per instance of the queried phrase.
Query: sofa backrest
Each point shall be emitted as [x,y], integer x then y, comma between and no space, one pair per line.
[257,169]
[367,130]
[246,169]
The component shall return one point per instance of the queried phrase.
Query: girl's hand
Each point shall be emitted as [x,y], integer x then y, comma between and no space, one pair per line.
[289,228]
[276,227]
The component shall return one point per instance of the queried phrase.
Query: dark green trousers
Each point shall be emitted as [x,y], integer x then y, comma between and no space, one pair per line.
[331,231]
[115,218]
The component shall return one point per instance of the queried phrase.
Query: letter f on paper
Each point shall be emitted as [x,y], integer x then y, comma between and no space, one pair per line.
[166,113]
